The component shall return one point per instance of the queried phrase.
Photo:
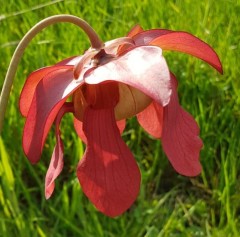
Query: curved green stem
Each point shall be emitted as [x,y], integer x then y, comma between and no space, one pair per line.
[94,39]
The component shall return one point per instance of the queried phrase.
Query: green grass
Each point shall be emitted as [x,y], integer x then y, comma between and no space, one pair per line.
[168,204]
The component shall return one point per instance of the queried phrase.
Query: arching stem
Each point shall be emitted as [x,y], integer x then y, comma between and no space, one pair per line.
[94,39]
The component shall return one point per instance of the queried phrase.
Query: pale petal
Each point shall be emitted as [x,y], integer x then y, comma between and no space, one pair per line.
[143,68]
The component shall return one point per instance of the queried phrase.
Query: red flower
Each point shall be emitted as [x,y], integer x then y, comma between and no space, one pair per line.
[126,77]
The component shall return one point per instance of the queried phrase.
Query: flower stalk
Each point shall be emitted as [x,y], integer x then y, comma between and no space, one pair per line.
[96,43]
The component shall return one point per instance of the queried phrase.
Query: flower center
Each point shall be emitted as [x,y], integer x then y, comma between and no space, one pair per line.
[125,100]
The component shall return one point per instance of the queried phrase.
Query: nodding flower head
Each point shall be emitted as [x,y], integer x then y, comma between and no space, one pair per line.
[123,78]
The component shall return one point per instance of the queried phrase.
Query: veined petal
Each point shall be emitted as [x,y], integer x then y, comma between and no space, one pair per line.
[51,93]
[180,139]
[31,84]
[78,125]
[151,119]
[187,43]
[132,68]
[56,164]
[108,173]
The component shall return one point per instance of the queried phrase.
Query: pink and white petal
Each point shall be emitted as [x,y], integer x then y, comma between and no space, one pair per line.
[78,125]
[180,137]
[56,163]
[31,84]
[50,94]
[188,43]
[145,37]
[132,68]
[108,172]
[151,119]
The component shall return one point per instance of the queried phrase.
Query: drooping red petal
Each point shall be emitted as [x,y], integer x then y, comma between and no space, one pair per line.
[180,139]
[78,125]
[56,163]
[51,93]
[133,68]
[31,84]
[55,168]
[188,43]
[108,173]
[151,119]
[145,37]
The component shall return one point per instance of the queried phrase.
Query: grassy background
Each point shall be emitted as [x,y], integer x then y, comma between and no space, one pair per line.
[168,204]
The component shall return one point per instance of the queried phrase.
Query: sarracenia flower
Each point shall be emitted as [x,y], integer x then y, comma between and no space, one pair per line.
[103,87]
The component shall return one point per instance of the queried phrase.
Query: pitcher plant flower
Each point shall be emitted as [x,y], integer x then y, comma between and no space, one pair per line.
[108,84]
